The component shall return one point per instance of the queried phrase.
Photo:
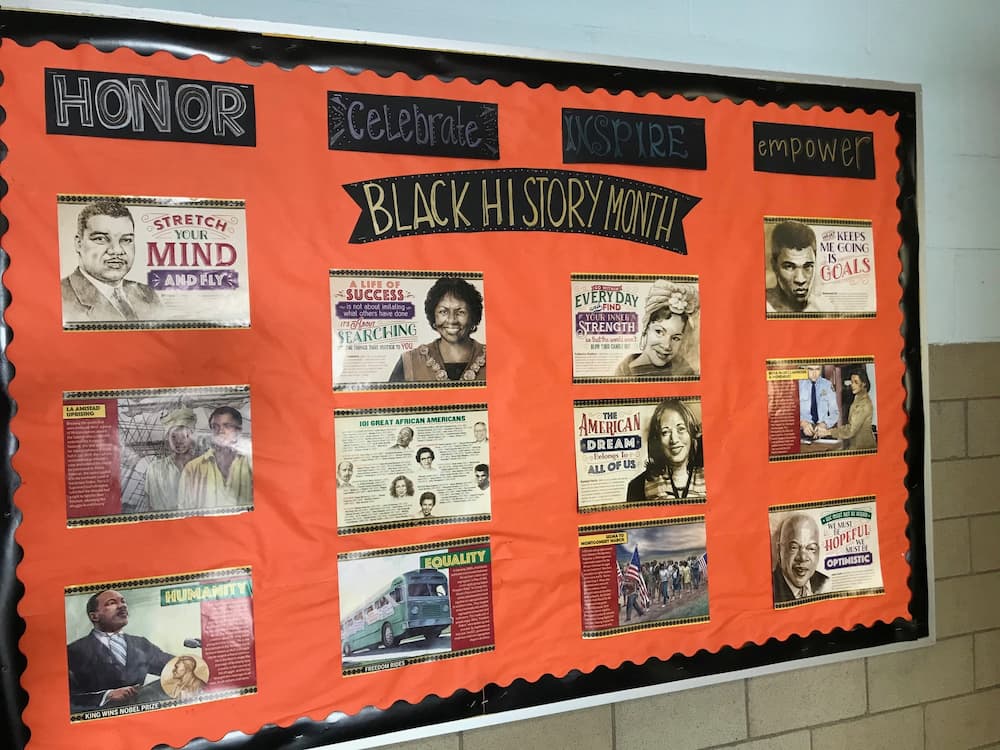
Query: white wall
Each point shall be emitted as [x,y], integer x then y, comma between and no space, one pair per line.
[951,48]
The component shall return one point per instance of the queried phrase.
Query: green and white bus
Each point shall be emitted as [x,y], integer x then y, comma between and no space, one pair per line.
[415,603]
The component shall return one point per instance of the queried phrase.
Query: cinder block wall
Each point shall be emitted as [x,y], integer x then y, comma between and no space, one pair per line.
[944,697]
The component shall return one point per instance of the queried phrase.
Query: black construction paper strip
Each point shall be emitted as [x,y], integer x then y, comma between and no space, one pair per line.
[521,200]
[807,150]
[148,108]
[413,125]
[593,136]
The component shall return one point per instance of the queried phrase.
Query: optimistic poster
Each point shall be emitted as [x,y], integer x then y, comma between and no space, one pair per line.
[143,455]
[647,574]
[639,452]
[824,550]
[142,263]
[142,645]
[819,268]
[399,329]
[421,603]
[635,328]
[821,407]
[415,466]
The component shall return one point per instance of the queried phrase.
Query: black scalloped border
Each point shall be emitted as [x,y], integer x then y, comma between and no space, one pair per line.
[12,661]
[147,37]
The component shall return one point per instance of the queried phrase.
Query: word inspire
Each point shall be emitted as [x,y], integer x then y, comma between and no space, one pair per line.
[605,137]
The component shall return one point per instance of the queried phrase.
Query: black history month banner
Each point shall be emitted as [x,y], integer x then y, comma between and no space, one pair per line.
[191,238]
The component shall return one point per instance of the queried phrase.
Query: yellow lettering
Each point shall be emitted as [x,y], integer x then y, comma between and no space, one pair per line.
[456,204]
[400,227]
[857,146]
[531,204]
[670,223]
[548,203]
[574,203]
[614,205]
[488,206]
[375,208]
[510,201]
[421,209]
[594,195]
[438,219]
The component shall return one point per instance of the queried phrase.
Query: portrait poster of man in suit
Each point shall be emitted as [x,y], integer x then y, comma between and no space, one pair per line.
[130,263]
[141,645]
[824,549]
[97,289]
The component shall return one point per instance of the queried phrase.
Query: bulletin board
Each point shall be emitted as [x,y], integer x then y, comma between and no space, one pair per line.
[353,389]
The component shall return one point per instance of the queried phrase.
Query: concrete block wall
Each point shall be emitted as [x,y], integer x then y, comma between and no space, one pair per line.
[944,697]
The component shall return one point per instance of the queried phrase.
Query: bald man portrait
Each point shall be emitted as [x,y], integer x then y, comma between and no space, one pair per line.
[798,553]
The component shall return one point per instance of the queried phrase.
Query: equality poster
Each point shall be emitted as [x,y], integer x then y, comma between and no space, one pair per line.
[639,452]
[819,268]
[403,606]
[407,329]
[824,550]
[155,454]
[412,466]
[147,644]
[635,328]
[146,262]
[641,575]
[821,407]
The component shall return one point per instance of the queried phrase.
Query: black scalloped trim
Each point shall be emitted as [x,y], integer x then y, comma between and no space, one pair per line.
[147,37]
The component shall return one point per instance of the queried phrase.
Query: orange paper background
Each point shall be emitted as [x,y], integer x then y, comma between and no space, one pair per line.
[299,219]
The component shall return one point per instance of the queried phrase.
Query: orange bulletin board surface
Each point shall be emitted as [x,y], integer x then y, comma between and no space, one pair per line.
[299,220]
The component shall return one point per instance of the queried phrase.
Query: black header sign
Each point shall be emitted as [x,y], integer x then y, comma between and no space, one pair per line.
[149,108]
[521,200]
[412,125]
[803,149]
[594,136]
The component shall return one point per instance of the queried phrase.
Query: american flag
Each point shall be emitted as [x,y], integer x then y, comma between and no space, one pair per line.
[702,563]
[634,572]
[620,579]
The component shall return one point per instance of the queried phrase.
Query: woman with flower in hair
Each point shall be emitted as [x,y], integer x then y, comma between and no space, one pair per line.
[675,467]
[666,328]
